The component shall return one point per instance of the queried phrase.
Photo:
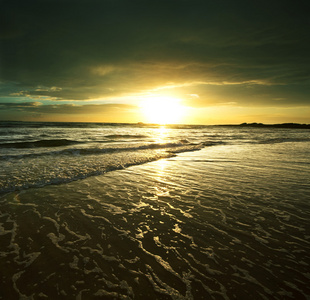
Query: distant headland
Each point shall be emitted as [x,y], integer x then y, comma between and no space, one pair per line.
[283,125]
[38,124]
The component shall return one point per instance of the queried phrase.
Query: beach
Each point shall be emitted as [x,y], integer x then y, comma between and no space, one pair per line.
[187,213]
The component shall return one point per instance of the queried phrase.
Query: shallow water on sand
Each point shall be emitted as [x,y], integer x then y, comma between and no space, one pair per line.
[226,222]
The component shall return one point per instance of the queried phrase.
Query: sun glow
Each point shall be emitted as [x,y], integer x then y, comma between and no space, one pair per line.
[162,110]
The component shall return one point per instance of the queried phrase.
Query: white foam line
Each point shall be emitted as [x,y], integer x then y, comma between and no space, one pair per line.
[201,274]
[79,295]
[169,269]
[15,277]
[14,245]
[222,293]
[78,236]
[167,290]
[100,252]
[219,230]
[95,217]
[74,264]
[185,214]
[209,208]
[132,261]
[206,266]
[294,287]
[3,231]
[96,269]
[246,276]
[122,284]
[259,239]
[53,221]
[210,255]
[29,258]
[160,244]
[56,239]
[299,239]
[111,208]
[104,293]
[162,262]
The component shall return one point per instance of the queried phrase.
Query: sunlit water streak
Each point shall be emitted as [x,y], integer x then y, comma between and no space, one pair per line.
[230,221]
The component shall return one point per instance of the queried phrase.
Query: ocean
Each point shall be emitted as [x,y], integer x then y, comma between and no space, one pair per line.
[136,211]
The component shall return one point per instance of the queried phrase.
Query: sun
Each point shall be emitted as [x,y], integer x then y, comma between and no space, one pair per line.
[162,110]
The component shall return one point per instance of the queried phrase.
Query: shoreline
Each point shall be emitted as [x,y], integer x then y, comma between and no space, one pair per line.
[10,123]
[150,231]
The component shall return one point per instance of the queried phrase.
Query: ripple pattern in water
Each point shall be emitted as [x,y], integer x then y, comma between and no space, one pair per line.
[204,225]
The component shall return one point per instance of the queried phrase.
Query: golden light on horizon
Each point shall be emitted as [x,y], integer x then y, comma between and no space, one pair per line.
[162,110]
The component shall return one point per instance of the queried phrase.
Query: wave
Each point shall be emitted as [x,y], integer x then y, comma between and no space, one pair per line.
[40,143]
[282,140]
[214,143]
[181,146]
[39,171]
[126,136]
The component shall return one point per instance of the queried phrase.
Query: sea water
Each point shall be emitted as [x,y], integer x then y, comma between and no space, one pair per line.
[123,211]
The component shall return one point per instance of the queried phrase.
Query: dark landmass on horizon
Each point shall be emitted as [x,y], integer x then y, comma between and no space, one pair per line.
[282,125]
[8,123]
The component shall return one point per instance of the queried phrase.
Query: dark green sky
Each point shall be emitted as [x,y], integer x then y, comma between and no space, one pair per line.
[87,60]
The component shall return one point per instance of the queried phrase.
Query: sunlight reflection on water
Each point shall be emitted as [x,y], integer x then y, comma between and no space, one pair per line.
[226,222]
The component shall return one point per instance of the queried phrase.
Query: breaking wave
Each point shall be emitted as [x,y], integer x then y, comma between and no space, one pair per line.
[41,143]
[57,167]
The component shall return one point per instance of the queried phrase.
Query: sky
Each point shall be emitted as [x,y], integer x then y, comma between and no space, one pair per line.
[187,61]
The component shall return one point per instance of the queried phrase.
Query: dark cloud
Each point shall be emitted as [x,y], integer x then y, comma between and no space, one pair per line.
[36,111]
[65,108]
[249,95]
[79,50]
[26,105]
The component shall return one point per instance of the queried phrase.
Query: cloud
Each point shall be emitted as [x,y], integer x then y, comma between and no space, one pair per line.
[38,107]
[82,50]
[36,111]
[11,105]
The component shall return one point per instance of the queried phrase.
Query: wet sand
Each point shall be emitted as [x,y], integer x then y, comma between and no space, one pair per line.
[211,224]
